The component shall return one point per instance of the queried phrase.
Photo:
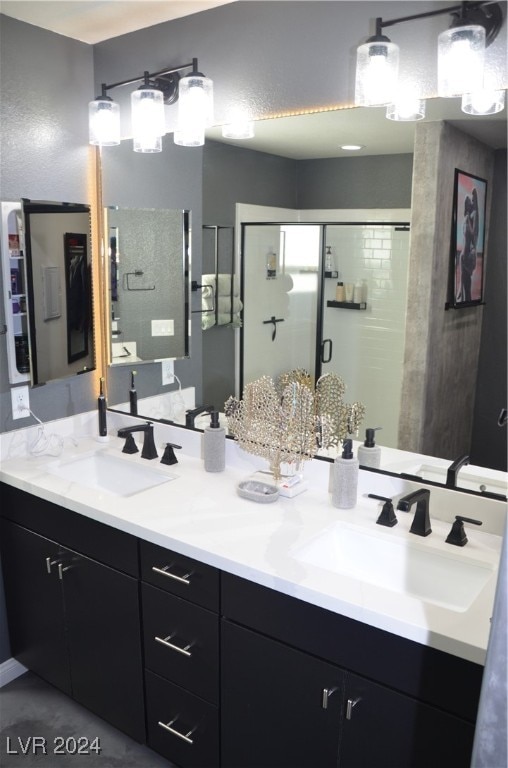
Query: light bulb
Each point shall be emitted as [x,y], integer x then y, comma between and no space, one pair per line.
[406,107]
[195,102]
[461,54]
[485,102]
[377,65]
[104,122]
[148,124]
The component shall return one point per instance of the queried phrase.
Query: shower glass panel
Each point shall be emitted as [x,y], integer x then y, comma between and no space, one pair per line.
[281,274]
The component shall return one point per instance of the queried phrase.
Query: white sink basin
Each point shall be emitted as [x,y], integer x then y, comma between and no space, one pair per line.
[112,474]
[449,581]
[467,479]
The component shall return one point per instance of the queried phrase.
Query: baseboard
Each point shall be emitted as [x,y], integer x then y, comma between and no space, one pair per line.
[10,670]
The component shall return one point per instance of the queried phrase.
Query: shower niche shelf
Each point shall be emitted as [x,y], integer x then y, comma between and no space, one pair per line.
[347,304]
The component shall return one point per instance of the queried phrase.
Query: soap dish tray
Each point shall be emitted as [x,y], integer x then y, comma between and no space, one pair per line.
[256,490]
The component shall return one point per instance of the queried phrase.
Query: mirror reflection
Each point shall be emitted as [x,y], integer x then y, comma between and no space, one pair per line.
[59,289]
[148,268]
[380,181]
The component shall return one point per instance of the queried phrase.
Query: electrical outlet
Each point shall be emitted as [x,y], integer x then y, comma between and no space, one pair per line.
[168,371]
[20,402]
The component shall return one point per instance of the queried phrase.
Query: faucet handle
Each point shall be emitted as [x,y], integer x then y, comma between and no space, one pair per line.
[169,454]
[457,535]
[387,516]
[130,445]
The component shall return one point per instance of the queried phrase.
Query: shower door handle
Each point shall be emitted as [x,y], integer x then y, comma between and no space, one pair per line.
[330,349]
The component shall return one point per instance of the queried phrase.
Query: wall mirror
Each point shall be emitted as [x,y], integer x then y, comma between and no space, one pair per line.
[148,260]
[310,136]
[58,257]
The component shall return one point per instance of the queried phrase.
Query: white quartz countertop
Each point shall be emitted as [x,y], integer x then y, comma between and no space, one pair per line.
[200,515]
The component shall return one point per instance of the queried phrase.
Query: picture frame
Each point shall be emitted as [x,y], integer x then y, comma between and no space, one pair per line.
[77,292]
[467,248]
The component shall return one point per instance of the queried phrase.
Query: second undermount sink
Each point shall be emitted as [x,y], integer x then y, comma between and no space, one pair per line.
[417,571]
[112,474]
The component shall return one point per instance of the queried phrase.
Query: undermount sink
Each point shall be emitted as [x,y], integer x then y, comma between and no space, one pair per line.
[469,480]
[112,474]
[398,565]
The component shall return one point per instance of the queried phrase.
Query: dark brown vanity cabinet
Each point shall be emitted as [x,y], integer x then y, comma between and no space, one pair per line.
[180,604]
[74,619]
[302,687]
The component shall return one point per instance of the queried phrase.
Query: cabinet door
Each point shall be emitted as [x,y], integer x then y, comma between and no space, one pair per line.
[385,729]
[275,709]
[103,625]
[33,593]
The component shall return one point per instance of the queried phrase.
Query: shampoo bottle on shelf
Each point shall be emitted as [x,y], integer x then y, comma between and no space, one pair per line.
[214,445]
[345,478]
[369,454]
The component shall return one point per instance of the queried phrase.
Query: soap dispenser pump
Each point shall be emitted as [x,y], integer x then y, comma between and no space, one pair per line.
[369,454]
[214,445]
[345,477]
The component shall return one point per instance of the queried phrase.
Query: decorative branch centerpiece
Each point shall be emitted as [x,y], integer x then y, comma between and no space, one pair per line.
[288,421]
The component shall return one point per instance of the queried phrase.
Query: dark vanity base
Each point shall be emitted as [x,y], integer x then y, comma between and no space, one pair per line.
[226,672]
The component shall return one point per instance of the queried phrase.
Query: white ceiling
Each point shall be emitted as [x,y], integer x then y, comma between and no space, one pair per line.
[92,21]
[305,136]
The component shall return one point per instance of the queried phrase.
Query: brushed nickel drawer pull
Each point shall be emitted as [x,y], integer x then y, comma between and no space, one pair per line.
[164,572]
[351,703]
[49,563]
[325,696]
[184,737]
[165,641]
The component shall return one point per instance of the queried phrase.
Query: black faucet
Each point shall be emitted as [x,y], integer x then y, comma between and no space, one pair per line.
[191,415]
[421,520]
[149,450]
[453,470]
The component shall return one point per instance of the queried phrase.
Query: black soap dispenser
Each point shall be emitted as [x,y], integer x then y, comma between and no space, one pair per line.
[369,454]
[133,396]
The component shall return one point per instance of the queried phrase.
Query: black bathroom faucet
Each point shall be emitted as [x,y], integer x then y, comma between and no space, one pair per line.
[149,450]
[453,470]
[421,521]
[191,415]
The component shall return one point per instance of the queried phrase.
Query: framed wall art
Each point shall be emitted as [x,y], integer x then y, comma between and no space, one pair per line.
[467,250]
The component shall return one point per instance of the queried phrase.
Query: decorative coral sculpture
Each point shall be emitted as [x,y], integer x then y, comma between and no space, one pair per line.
[289,422]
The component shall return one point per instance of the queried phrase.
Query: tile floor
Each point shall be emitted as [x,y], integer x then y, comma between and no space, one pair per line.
[29,707]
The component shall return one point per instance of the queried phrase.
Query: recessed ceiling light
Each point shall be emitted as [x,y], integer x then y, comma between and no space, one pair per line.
[352,147]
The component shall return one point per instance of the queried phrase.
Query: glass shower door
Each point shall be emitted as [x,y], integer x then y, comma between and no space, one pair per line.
[281,272]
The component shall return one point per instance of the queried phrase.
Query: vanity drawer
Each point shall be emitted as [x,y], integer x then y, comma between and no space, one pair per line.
[181,642]
[180,575]
[181,726]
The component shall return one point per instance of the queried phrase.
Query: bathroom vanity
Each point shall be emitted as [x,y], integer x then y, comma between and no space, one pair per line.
[201,614]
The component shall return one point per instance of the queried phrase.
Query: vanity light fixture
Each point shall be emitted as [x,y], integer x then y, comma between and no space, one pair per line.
[147,115]
[195,92]
[406,107]
[104,120]
[195,107]
[485,102]
[239,125]
[461,53]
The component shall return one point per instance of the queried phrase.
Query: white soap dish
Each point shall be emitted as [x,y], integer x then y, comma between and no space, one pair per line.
[255,490]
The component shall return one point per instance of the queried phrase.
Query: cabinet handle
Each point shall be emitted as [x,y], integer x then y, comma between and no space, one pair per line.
[49,563]
[164,572]
[184,737]
[351,703]
[325,695]
[62,569]
[165,641]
